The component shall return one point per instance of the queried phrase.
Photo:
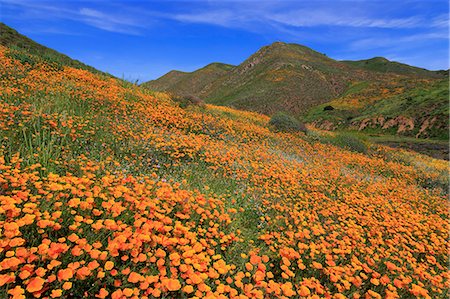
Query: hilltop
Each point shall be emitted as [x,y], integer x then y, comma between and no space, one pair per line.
[195,83]
[383,65]
[110,190]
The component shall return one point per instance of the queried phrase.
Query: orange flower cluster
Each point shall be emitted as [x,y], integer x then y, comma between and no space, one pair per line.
[110,191]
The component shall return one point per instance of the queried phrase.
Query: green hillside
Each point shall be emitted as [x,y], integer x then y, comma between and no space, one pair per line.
[12,39]
[284,77]
[383,65]
[409,107]
[195,83]
[280,76]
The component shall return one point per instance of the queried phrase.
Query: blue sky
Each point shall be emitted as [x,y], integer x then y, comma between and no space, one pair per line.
[145,39]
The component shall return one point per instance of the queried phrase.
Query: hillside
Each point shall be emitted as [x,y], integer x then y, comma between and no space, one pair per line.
[111,190]
[194,83]
[383,65]
[409,107]
[285,77]
[280,76]
[12,39]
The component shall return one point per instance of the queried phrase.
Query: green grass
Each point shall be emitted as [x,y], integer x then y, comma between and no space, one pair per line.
[381,64]
[426,100]
[356,87]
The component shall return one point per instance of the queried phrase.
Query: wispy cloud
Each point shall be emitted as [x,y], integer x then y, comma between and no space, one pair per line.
[109,22]
[233,14]
[245,15]
[384,42]
[308,18]
[441,21]
[118,21]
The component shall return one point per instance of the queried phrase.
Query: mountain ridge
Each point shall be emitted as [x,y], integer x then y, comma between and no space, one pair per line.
[284,76]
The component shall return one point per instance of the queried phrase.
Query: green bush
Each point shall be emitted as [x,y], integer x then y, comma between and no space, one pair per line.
[188,100]
[350,142]
[285,123]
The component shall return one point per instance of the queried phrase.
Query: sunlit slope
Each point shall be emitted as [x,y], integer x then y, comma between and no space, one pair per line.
[195,83]
[109,190]
[383,65]
[286,77]
[409,107]
[12,39]
[278,77]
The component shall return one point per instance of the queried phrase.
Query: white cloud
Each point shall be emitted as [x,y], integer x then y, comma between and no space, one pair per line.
[278,17]
[384,42]
[311,18]
[120,21]
[109,22]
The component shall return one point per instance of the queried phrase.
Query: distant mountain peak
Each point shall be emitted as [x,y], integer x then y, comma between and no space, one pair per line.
[379,58]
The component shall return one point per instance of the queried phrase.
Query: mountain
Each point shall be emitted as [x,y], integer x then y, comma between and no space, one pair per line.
[286,77]
[383,65]
[14,40]
[196,83]
[282,76]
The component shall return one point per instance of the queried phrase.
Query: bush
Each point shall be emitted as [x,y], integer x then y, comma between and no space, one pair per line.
[350,142]
[328,108]
[286,123]
[188,100]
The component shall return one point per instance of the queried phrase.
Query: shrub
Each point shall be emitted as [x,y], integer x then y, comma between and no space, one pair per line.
[188,100]
[350,142]
[328,108]
[286,123]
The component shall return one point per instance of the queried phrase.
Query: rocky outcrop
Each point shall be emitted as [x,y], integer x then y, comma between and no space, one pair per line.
[427,124]
[402,123]
[324,125]
[369,123]
[419,127]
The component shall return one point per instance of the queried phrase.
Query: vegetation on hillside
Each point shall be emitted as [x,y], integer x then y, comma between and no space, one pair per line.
[278,77]
[12,39]
[409,107]
[291,77]
[194,83]
[283,122]
[110,190]
[383,65]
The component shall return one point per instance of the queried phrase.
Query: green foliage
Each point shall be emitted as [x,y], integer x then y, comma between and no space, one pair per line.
[351,142]
[381,64]
[188,100]
[189,83]
[347,141]
[283,122]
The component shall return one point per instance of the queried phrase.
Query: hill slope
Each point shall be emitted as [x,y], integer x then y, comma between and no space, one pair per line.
[12,39]
[195,83]
[110,190]
[285,77]
[279,76]
[410,107]
[383,65]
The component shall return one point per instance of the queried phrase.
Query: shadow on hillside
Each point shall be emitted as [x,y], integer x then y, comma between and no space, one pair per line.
[435,150]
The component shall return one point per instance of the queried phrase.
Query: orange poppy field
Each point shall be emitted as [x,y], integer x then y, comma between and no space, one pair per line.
[108,190]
